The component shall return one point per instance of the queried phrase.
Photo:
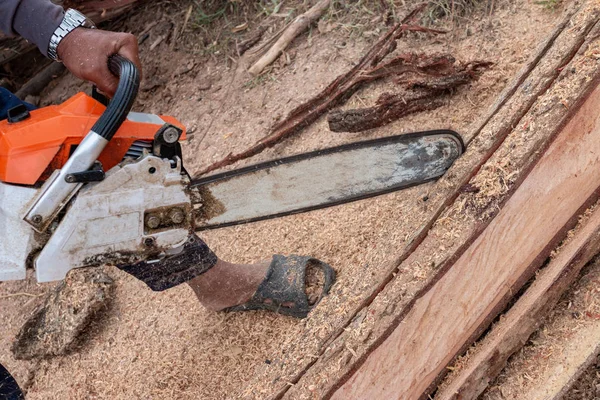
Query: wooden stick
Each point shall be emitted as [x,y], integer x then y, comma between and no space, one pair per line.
[36,84]
[298,26]
[525,316]
[429,93]
[250,41]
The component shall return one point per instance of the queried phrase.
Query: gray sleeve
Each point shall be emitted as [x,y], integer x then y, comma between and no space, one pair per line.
[35,20]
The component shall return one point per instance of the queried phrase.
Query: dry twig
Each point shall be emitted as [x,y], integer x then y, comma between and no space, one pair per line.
[295,28]
[250,41]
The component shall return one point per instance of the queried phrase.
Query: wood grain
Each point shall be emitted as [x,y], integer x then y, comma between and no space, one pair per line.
[485,276]
[513,331]
[562,350]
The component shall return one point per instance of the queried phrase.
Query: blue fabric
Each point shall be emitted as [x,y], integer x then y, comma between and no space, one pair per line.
[9,389]
[8,101]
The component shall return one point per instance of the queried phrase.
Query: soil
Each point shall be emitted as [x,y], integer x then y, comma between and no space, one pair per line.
[165,345]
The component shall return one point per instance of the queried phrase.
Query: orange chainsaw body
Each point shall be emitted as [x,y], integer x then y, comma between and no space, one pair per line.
[32,149]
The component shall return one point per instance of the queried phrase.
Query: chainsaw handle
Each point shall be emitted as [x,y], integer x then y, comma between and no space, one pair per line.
[120,105]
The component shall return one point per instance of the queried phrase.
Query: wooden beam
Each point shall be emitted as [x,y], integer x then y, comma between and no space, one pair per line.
[456,213]
[473,375]
[569,342]
[453,312]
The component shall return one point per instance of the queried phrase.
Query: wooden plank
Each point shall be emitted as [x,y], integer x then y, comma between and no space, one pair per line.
[495,265]
[422,261]
[566,346]
[473,375]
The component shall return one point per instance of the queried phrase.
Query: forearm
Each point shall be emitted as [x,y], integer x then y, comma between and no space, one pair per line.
[35,20]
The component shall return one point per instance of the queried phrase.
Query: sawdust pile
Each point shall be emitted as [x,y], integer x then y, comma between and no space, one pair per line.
[56,326]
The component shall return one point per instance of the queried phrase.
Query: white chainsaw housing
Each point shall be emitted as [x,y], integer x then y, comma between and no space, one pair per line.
[105,219]
[17,238]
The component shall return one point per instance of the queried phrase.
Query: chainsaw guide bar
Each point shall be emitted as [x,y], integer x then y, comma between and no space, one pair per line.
[324,178]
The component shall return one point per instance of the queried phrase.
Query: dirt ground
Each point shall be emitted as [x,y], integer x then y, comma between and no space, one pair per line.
[165,345]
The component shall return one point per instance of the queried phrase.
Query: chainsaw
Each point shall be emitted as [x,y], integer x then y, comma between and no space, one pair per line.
[88,183]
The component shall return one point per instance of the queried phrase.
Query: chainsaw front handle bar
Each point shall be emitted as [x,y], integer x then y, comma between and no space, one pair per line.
[120,105]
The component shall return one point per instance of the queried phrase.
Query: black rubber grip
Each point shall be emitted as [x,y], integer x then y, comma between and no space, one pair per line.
[118,108]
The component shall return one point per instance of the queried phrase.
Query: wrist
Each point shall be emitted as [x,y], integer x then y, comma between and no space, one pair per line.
[64,46]
[72,21]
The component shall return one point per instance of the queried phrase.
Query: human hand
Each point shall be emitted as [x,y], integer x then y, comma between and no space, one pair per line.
[85,53]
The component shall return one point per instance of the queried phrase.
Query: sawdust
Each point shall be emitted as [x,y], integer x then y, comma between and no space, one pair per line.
[57,326]
[588,385]
[211,206]
[165,345]
[314,281]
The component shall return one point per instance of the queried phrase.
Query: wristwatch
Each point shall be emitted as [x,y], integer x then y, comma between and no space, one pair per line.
[72,19]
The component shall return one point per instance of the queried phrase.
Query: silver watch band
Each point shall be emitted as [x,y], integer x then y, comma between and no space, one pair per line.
[72,19]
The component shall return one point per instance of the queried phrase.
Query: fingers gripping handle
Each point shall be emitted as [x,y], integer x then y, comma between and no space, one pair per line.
[120,105]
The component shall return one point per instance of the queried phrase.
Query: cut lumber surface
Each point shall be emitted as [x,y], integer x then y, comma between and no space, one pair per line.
[560,352]
[473,375]
[481,281]
[455,215]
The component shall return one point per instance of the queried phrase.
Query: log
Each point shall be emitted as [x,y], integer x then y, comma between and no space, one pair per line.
[479,284]
[300,24]
[525,317]
[444,231]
